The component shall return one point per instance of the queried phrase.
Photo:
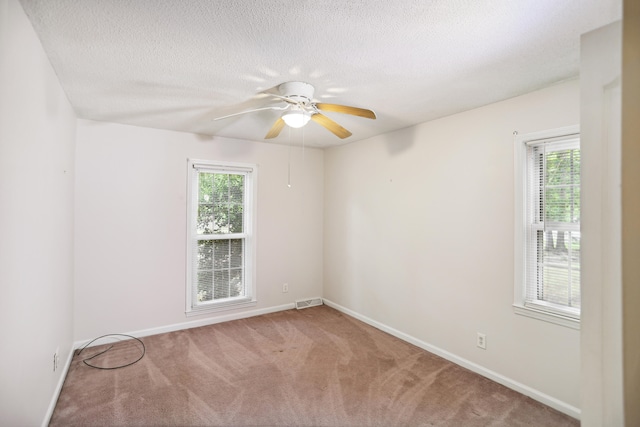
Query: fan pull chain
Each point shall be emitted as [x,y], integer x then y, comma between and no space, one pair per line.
[303,174]
[289,161]
[303,144]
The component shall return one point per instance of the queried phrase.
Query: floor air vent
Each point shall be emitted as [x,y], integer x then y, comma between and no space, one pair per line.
[304,303]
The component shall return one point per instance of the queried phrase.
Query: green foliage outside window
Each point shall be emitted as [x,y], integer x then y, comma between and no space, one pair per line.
[559,249]
[562,186]
[220,211]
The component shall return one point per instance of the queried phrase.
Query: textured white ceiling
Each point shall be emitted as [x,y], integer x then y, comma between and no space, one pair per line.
[177,64]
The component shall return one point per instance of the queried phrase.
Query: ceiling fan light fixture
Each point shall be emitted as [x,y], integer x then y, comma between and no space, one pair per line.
[296,118]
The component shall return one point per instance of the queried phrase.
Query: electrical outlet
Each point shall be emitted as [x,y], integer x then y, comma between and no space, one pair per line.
[56,359]
[481,341]
[285,288]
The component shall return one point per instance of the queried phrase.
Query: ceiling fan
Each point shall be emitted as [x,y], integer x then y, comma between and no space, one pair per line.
[299,108]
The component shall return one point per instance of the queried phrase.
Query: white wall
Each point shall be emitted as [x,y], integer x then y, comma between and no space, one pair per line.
[37,138]
[419,232]
[131,224]
[601,339]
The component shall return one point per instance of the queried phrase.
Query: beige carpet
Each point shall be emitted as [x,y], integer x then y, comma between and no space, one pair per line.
[313,367]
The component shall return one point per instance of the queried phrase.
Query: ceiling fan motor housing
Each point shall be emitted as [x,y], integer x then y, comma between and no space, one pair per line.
[297,91]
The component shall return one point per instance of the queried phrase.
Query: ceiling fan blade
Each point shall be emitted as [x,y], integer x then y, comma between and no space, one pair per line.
[285,99]
[330,125]
[251,111]
[275,129]
[344,109]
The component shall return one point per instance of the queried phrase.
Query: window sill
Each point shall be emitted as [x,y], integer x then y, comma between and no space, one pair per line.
[565,321]
[221,306]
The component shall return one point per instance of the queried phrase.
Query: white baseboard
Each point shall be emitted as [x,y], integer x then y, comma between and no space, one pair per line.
[554,403]
[197,323]
[58,389]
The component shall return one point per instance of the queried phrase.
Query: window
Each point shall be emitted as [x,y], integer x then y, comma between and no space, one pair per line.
[548,226]
[221,236]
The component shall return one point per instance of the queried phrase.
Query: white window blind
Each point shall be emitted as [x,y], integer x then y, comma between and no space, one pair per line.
[548,239]
[220,230]
[553,247]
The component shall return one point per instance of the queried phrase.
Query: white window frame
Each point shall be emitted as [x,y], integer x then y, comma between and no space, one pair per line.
[536,309]
[250,171]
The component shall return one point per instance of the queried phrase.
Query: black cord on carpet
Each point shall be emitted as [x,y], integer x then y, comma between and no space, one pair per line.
[144,350]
